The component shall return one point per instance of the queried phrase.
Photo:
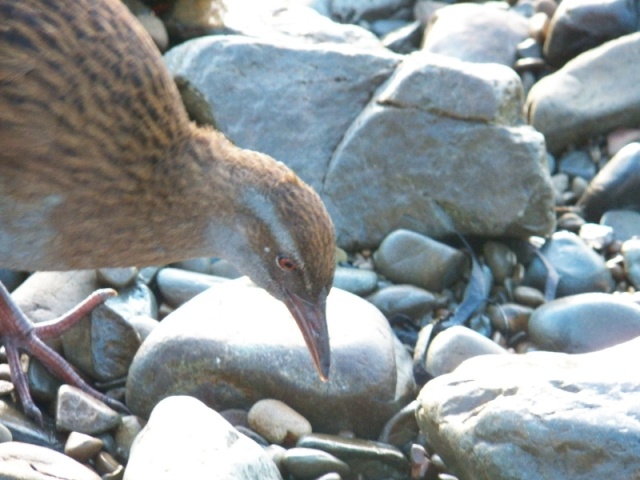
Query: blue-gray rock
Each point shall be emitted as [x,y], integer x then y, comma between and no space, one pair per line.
[455,345]
[355,11]
[592,94]
[408,257]
[407,300]
[577,163]
[178,286]
[413,144]
[631,255]
[625,223]
[234,345]
[580,25]
[460,31]
[584,323]
[186,439]
[539,415]
[358,281]
[306,84]
[580,269]
[615,186]
[292,23]
[309,463]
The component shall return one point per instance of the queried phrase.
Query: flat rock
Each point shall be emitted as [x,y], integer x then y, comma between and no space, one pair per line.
[592,94]
[186,439]
[234,345]
[542,415]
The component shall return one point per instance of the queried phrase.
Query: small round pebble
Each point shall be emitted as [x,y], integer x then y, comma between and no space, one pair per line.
[455,345]
[277,422]
[82,447]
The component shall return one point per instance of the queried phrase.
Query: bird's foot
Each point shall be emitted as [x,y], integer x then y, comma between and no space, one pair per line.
[18,333]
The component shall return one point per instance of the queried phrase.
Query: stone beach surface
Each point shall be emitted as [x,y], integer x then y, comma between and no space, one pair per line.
[420,123]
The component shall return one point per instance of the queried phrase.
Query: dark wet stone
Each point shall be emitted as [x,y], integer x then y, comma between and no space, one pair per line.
[580,269]
[310,463]
[373,460]
[615,186]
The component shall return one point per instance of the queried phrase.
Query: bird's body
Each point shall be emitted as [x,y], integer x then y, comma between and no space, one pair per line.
[100,165]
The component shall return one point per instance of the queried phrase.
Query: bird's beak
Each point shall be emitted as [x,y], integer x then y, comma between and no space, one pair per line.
[312,321]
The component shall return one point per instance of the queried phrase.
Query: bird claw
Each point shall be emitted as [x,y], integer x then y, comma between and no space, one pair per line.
[18,333]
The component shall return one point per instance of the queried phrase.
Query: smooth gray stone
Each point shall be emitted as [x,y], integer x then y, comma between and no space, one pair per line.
[178,286]
[538,415]
[455,345]
[579,268]
[234,345]
[309,463]
[409,257]
[580,25]
[355,280]
[22,461]
[591,95]
[186,439]
[409,300]
[460,31]
[584,323]
[631,255]
[25,430]
[625,223]
[615,186]
[372,460]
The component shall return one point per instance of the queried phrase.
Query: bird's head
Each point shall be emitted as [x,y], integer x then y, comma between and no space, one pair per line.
[289,250]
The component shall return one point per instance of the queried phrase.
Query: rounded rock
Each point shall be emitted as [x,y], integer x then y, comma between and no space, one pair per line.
[579,268]
[408,257]
[278,422]
[584,323]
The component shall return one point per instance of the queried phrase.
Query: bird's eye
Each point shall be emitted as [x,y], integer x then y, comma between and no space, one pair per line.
[286,264]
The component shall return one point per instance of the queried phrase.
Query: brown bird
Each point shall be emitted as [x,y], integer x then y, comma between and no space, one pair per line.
[100,166]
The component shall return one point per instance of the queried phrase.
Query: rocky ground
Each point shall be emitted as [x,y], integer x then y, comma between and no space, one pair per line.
[481,164]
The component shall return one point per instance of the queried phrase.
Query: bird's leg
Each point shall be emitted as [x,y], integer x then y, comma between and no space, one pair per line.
[18,333]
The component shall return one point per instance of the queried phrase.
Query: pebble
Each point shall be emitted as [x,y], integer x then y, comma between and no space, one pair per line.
[615,187]
[500,259]
[577,163]
[401,428]
[25,430]
[22,461]
[580,269]
[185,439]
[631,255]
[179,286]
[355,280]
[455,345]
[277,422]
[407,300]
[117,277]
[509,318]
[584,323]
[106,465]
[408,257]
[80,412]
[529,296]
[125,435]
[5,434]
[372,460]
[309,464]
[625,223]
[82,447]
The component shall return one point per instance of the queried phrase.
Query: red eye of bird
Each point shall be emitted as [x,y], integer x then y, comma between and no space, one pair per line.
[285,263]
